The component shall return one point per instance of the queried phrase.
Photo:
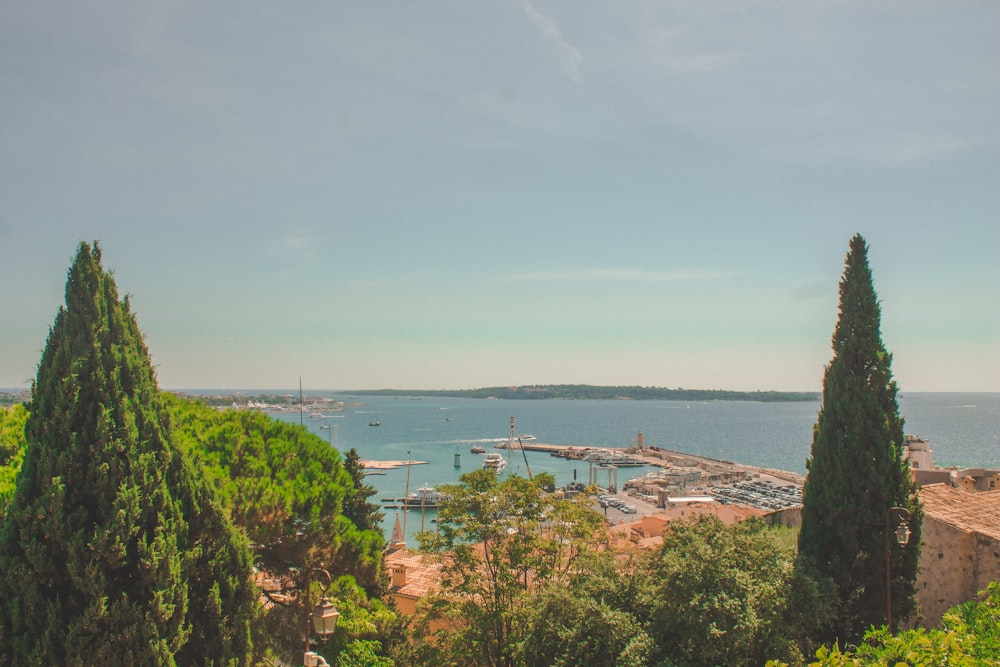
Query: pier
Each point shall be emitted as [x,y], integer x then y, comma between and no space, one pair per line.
[713,469]
[370,464]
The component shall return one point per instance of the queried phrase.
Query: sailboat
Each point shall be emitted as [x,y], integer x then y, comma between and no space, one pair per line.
[375,422]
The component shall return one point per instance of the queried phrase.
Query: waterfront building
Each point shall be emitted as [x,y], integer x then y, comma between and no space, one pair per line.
[921,458]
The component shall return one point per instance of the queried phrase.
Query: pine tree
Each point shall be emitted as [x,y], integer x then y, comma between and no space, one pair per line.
[856,469]
[113,552]
[365,515]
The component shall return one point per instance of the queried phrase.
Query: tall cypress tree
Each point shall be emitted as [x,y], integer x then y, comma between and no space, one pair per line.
[113,552]
[856,469]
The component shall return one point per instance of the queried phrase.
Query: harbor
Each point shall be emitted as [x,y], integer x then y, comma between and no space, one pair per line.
[669,475]
[688,447]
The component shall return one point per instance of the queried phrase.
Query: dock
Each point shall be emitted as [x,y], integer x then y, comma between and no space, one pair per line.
[658,457]
[370,464]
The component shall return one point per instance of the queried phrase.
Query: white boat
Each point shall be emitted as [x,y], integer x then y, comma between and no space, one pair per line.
[425,496]
[607,457]
[494,461]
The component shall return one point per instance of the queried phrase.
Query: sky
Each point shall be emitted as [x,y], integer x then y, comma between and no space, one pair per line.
[450,194]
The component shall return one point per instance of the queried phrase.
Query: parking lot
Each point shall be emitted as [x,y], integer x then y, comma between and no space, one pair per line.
[622,508]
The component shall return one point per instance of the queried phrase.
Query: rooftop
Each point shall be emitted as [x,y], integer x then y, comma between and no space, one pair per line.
[974,512]
[423,572]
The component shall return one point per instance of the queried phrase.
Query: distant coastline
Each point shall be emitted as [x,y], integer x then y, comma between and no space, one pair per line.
[593,392]
[564,392]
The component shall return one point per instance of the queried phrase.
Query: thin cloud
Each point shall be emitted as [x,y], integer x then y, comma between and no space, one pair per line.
[569,55]
[299,243]
[618,275]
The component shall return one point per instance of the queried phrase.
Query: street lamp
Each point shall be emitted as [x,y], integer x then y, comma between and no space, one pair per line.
[322,618]
[901,518]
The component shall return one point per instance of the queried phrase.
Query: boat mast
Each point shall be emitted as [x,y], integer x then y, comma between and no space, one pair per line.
[510,444]
[406,493]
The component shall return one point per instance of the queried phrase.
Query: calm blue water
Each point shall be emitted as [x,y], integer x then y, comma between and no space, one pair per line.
[963,429]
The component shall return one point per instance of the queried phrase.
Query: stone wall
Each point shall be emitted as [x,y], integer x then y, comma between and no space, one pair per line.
[955,565]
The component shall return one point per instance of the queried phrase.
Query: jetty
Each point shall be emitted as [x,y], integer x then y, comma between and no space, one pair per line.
[660,458]
[371,464]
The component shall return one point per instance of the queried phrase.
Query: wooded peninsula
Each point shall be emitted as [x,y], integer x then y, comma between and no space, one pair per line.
[592,392]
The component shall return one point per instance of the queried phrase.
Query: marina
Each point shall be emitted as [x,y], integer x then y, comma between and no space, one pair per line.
[682,439]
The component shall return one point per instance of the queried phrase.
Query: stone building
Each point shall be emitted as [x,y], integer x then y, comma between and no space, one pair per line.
[918,453]
[960,554]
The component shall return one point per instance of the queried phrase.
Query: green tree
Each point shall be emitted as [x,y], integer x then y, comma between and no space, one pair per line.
[363,653]
[12,421]
[113,552]
[290,492]
[588,621]
[856,470]
[969,636]
[499,543]
[364,514]
[721,595]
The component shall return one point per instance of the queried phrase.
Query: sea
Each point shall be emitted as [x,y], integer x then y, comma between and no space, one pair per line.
[963,429]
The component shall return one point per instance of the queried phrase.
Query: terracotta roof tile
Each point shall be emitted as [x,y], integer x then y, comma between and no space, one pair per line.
[423,573]
[977,512]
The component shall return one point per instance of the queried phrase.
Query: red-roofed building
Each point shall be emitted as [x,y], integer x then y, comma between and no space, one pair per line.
[412,576]
[960,554]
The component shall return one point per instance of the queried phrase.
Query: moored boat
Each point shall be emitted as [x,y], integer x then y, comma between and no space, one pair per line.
[494,461]
[608,457]
[426,497]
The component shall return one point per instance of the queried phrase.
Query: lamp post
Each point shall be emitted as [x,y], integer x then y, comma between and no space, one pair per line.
[322,618]
[901,518]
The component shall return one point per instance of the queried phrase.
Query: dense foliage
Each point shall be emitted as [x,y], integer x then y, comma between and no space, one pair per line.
[300,507]
[113,551]
[590,620]
[500,542]
[586,391]
[529,580]
[969,636]
[12,446]
[269,509]
[717,594]
[856,470]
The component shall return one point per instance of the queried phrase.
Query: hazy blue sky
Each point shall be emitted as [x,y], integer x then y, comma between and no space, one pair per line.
[463,194]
